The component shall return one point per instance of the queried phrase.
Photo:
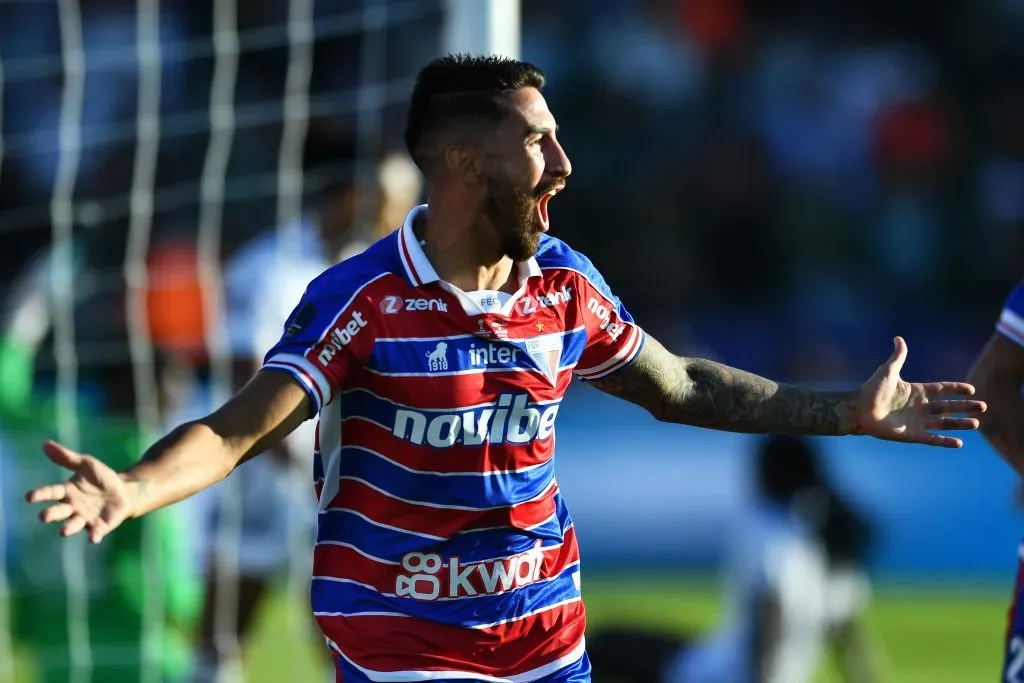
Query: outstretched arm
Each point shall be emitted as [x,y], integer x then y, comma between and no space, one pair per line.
[192,457]
[708,394]
[998,373]
[201,453]
[704,393]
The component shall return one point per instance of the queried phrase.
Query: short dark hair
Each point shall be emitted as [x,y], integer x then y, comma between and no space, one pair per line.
[785,466]
[458,92]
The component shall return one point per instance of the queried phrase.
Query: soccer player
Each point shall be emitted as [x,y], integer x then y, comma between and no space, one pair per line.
[796,586]
[262,282]
[999,375]
[436,361]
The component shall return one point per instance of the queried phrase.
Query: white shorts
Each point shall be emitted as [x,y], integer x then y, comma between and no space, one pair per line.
[263,517]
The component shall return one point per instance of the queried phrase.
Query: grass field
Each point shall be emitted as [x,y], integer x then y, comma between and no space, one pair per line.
[929,635]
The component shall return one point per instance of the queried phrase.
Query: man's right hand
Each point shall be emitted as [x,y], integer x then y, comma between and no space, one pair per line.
[95,497]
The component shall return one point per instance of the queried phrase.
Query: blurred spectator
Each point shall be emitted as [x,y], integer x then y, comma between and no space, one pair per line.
[273,502]
[796,587]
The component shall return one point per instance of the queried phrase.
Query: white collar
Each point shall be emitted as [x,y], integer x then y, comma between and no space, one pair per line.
[417,266]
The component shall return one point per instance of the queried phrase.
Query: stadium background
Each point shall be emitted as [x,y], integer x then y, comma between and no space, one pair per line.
[782,185]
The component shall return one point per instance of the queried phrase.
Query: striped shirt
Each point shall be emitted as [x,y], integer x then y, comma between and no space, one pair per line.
[444,547]
[1011,320]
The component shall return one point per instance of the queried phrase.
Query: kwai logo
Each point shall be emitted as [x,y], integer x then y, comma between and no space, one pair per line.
[425,580]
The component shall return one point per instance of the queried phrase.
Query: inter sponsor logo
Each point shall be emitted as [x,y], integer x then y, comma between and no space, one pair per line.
[493,354]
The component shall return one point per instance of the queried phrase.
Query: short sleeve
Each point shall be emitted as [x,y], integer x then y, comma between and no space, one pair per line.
[1011,320]
[614,341]
[325,335]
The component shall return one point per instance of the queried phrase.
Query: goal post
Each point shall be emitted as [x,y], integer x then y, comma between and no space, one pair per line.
[483,27]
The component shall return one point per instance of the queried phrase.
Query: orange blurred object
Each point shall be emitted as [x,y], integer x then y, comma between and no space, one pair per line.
[175,301]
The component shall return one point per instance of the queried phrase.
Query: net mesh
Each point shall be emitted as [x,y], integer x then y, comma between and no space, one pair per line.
[143,145]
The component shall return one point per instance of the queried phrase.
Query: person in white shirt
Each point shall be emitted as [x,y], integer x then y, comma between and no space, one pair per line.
[796,587]
[270,524]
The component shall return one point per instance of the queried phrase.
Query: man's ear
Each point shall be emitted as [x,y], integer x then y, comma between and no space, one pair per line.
[466,162]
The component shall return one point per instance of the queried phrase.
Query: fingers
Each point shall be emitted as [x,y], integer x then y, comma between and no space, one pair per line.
[98,529]
[107,522]
[952,423]
[61,455]
[899,355]
[969,408]
[73,526]
[939,440]
[56,513]
[45,493]
[948,389]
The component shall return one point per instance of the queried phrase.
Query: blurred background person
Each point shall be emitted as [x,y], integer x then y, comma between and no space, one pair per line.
[796,587]
[276,514]
[142,591]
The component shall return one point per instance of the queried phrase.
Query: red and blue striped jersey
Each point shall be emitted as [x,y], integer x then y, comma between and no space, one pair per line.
[1011,320]
[444,548]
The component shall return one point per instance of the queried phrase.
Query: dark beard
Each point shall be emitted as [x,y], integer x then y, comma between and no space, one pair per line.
[513,212]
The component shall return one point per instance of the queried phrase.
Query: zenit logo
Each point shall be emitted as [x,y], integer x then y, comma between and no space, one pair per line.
[392,305]
[530,304]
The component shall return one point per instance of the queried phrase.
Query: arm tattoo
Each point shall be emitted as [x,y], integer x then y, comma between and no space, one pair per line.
[708,394]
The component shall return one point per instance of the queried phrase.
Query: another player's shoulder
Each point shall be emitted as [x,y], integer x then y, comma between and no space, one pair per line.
[362,273]
[1015,301]
[1011,320]
[554,254]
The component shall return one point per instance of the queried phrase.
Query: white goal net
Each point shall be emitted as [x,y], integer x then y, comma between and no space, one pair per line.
[145,146]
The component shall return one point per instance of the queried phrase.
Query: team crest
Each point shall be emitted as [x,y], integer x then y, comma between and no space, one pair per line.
[546,352]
